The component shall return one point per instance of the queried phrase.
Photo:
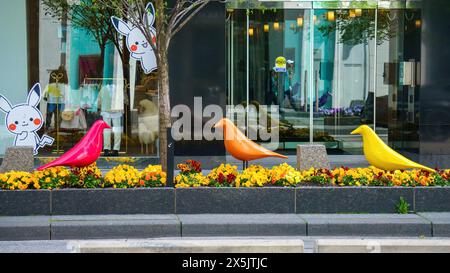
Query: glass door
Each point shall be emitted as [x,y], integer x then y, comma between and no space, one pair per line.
[279,65]
[329,66]
[344,50]
[269,63]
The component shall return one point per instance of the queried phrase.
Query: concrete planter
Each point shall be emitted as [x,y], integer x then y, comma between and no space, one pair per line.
[25,203]
[270,200]
[232,200]
[432,199]
[351,199]
[113,201]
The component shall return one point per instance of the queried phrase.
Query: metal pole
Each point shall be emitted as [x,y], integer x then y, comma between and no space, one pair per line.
[248,75]
[170,158]
[375,67]
[311,75]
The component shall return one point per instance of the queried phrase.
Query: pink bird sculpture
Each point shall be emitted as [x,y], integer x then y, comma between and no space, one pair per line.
[86,152]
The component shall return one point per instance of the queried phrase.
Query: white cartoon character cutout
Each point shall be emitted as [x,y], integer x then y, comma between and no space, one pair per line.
[24,120]
[137,43]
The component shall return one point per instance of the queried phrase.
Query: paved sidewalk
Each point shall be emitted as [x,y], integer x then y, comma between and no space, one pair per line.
[222,225]
[68,246]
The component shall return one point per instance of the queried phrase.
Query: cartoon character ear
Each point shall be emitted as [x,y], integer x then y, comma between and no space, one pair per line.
[5,105]
[35,95]
[150,16]
[120,26]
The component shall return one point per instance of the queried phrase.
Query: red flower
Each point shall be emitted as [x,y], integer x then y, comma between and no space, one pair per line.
[221,178]
[195,165]
[231,178]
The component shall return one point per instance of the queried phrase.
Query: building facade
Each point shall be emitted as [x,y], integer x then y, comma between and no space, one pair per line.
[381,63]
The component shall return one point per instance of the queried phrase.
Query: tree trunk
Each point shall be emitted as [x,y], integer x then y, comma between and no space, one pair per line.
[101,65]
[164,106]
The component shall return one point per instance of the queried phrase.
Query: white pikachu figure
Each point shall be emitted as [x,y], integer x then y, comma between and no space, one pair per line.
[137,43]
[24,120]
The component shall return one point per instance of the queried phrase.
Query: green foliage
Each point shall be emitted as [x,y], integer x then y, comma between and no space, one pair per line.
[360,29]
[403,206]
[90,15]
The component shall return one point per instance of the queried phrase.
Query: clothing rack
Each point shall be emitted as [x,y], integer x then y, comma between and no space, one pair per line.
[57,78]
[100,81]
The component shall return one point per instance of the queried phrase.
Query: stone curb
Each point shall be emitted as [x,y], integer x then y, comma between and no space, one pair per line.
[214,225]
[191,245]
[28,228]
[382,246]
[207,225]
[387,225]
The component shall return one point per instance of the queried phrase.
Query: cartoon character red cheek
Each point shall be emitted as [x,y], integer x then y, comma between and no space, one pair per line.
[134,48]
[37,122]
[12,127]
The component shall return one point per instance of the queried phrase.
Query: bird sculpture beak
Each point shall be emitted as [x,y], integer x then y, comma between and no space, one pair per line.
[219,124]
[356,132]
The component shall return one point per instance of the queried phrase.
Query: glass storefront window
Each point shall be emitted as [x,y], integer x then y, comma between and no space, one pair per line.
[348,64]
[344,46]
[85,78]
[398,77]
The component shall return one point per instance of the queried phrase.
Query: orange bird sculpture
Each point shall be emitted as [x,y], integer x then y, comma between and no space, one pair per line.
[239,146]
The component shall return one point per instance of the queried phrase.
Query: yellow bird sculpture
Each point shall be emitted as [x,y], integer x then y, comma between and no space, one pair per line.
[381,156]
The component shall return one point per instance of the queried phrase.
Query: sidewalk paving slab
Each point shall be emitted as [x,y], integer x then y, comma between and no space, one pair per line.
[440,223]
[242,225]
[114,227]
[24,228]
[191,245]
[210,225]
[327,245]
[68,246]
[388,225]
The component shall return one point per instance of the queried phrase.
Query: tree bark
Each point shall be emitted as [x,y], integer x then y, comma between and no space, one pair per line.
[164,106]
[101,65]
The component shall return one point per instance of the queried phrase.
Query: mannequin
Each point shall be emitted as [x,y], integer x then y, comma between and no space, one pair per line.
[112,109]
[54,95]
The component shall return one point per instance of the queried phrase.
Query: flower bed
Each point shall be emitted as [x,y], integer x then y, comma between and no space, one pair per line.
[285,175]
[123,176]
[224,176]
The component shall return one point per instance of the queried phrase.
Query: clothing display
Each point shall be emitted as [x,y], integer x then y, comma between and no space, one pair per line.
[116,125]
[89,97]
[54,95]
[52,107]
[111,98]
[111,101]
[73,120]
